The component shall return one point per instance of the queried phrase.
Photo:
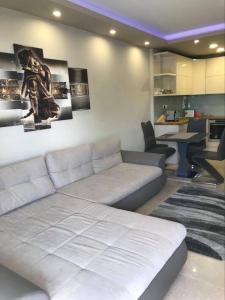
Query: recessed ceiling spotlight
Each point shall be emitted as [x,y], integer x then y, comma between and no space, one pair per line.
[57,13]
[220,50]
[112,31]
[147,43]
[194,59]
[213,46]
[196,41]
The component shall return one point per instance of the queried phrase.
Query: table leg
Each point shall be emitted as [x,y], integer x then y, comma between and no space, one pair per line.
[184,168]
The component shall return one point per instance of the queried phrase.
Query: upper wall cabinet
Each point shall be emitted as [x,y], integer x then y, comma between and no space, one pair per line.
[199,77]
[184,75]
[215,75]
[164,73]
[178,75]
[172,74]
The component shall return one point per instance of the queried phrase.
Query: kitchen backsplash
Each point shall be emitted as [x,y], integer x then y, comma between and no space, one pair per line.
[208,104]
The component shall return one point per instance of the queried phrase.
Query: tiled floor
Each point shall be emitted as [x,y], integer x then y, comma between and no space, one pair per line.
[202,278]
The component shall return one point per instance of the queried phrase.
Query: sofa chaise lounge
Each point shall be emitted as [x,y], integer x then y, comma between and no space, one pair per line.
[66,232]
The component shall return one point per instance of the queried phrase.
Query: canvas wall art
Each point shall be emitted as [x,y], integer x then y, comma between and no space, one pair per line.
[79,88]
[34,91]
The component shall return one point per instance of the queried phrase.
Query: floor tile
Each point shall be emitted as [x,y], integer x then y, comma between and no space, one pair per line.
[202,277]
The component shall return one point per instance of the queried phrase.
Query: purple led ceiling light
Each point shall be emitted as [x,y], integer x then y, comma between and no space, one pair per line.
[118,17]
[145,28]
[194,32]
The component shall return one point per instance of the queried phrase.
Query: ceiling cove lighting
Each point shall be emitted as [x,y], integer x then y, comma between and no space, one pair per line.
[220,50]
[196,41]
[195,31]
[57,13]
[145,28]
[118,17]
[112,31]
[213,46]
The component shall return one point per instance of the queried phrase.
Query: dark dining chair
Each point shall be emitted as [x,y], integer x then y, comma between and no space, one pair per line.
[196,125]
[202,157]
[150,141]
[199,126]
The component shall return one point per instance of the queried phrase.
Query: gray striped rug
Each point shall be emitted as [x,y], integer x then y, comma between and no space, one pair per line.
[202,212]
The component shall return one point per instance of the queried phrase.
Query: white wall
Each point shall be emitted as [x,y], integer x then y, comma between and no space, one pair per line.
[118,79]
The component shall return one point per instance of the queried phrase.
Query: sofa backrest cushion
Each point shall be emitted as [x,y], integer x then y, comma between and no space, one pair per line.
[69,165]
[106,154]
[24,182]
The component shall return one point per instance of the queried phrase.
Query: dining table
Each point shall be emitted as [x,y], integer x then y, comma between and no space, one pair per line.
[183,140]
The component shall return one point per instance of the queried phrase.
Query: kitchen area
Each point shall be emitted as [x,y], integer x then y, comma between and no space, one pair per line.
[185,88]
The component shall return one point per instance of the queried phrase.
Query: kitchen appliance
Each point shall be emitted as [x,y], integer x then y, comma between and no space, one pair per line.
[216,128]
[171,115]
[189,113]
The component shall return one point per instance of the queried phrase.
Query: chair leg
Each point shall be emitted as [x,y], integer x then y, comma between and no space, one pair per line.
[209,168]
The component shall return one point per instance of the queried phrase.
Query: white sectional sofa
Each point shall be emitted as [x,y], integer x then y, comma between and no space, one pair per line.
[123,179]
[61,239]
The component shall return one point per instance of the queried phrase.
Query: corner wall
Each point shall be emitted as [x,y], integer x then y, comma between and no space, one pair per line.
[118,82]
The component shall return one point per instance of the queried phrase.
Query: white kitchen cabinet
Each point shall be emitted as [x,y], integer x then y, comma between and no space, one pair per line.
[183,66]
[184,85]
[215,84]
[172,74]
[215,75]
[184,75]
[198,77]
[178,75]
[215,66]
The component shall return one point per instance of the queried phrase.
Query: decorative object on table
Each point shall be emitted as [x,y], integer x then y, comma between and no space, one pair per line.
[79,88]
[171,115]
[150,141]
[161,119]
[202,212]
[189,113]
[33,89]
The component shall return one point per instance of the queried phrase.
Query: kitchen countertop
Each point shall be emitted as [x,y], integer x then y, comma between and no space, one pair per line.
[179,122]
[211,117]
[185,120]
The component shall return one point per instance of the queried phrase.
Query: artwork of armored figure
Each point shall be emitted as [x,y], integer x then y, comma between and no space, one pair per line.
[37,86]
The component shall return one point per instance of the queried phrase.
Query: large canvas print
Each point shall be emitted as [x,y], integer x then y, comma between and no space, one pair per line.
[43,87]
[34,91]
[79,88]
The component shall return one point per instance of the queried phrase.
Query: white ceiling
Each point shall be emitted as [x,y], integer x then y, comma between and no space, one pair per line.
[168,16]
[167,19]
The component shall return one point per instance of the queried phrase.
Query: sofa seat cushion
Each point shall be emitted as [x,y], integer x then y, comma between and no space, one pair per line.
[112,185]
[104,252]
[23,182]
[133,174]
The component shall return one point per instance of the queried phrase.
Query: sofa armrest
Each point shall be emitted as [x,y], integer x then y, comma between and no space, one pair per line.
[143,158]
[13,287]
